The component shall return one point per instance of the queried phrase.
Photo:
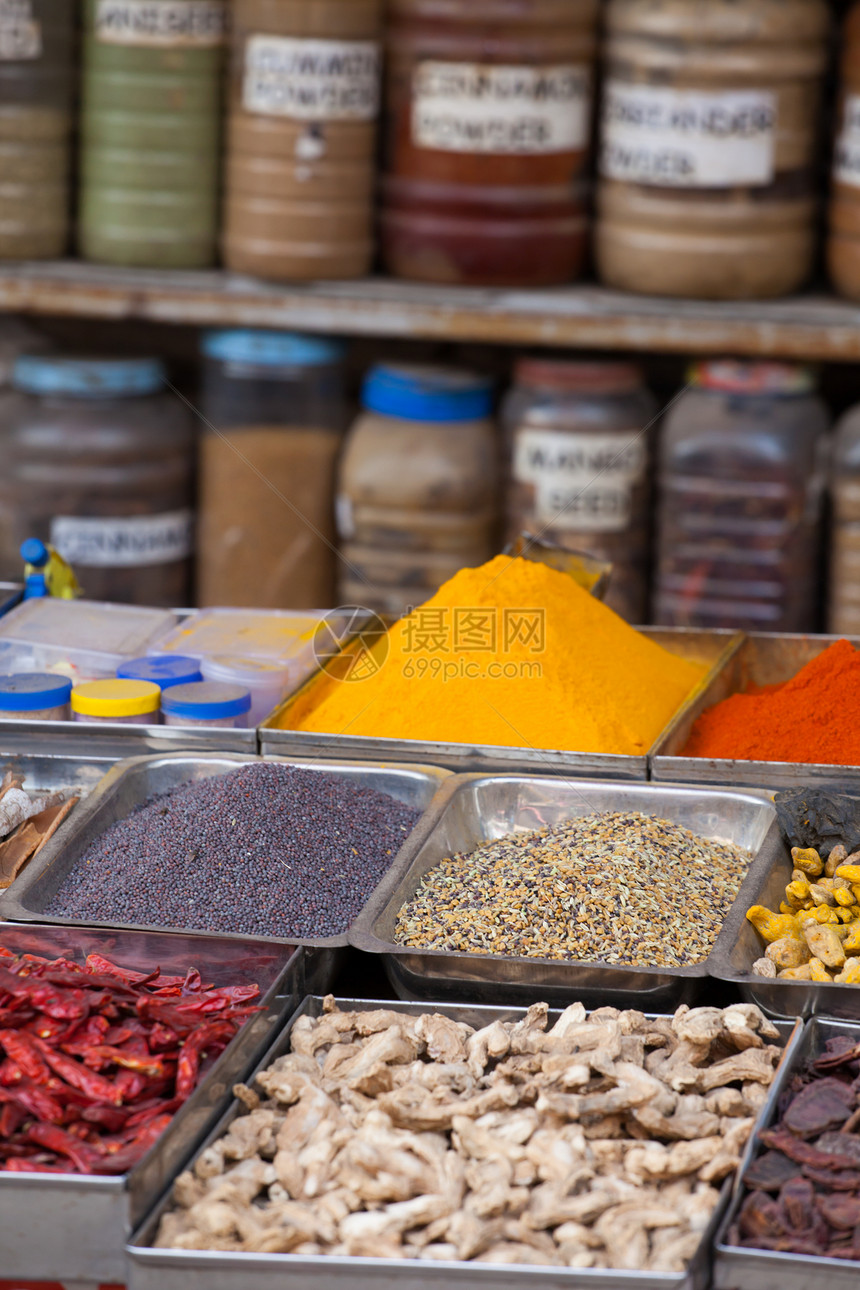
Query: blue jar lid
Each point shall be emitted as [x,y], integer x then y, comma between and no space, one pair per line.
[32,691]
[427,393]
[165,670]
[272,348]
[206,700]
[88,377]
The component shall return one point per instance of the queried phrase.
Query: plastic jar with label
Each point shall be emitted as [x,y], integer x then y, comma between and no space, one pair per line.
[301,144]
[487,131]
[267,683]
[98,459]
[34,696]
[36,86]
[742,467]
[127,703]
[207,703]
[150,131]
[163,670]
[709,146]
[843,604]
[417,485]
[578,453]
[843,246]
[266,493]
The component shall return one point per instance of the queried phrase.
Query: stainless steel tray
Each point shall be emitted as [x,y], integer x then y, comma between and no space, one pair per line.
[131,782]
[67,769]
[69,1227]
[738,1268]
[471,809]
[763,659]
[713,648]
[739,945]
[164,1269]
[114,741]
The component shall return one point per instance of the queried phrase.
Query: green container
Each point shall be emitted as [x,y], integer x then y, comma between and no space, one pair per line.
[150,132]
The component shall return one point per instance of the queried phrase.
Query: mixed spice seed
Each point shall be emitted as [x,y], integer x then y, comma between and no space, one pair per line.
[622,888]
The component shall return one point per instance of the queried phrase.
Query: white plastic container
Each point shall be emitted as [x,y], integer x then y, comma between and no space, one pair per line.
[122,702]
[207,704]
[34,696]
[267,683]
[84,640]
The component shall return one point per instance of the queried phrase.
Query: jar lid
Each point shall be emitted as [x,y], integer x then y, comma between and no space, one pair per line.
[752,378]
[246,671]
[163,670]
[427,393]
[206,701]
[29,691]
[88,377]
[577,378]
[118,698]
[271,348]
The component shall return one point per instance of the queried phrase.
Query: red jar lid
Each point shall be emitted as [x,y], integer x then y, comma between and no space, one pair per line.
[577,378]
[752,378]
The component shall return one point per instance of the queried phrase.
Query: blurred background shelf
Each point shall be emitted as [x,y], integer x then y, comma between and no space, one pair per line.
[809,327]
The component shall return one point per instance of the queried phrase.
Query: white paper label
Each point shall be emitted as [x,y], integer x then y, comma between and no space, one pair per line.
[197,23]
[124,542]
[485,108]
[312,80]
[20,34]
[687,138]
[581,481]
[846,159]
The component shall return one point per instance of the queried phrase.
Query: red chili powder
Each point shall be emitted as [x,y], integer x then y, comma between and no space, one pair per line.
[814,717]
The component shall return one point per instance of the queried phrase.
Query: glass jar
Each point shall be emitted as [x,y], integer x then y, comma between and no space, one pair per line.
[127,703]
[487,132]
[301,146]
[843,608]
[579,467]
[36,82]
[150,132]
[34,696]
[416,493]
[708,146]
[843,246]
[98,459]
[266,495]
[206,703]
[742,467]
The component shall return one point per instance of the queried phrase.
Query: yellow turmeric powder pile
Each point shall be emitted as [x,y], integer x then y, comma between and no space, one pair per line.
[510,653]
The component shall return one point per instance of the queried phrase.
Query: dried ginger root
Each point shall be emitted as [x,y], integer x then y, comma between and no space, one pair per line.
[597,1142]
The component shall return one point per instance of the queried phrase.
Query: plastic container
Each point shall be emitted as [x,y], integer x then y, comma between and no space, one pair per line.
[301,146]
[843,605]
[34,696]
[709,149]
[843,246]
[163,670]
[36,86]
[150,132]
[742,469]
[579,463]
[98,459]
[81,639]
[207,703]
[487,130]
[266,493]
[267,683]
[128,703]
[417,485]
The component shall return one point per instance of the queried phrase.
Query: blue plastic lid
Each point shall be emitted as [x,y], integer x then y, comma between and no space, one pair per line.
[206,700]
[32,691]
[427,393]
[166,670]
[271,348]
[34,552]
[87,377]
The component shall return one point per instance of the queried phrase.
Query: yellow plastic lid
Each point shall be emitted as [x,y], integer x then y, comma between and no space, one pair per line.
[116,698]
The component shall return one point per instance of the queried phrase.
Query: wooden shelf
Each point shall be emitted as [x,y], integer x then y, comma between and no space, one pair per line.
[814,327]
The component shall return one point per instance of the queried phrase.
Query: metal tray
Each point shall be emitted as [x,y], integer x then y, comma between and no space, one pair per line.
[737,1268]
[739,945]
[70,1227]
[56,770]
[131,782]
[472,809]
[112,741]
[164,1269]
[763,659]
[714,648]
